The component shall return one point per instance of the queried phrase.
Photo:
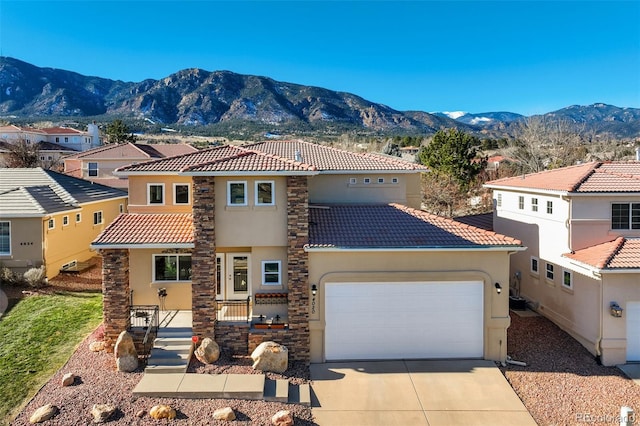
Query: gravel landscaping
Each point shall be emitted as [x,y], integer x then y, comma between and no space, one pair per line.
[562,383]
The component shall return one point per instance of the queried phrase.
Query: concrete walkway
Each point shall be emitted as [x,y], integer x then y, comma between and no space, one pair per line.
[429,393]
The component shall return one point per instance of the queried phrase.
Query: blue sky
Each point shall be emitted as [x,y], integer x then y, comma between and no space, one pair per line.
[521,56]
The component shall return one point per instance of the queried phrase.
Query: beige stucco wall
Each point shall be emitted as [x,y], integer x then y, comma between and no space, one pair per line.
[26,244]
[621,288]
[329,188]
[138,194]
[489,267]
[71,242]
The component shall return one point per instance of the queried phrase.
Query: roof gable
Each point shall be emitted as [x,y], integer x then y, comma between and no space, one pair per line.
[621,253]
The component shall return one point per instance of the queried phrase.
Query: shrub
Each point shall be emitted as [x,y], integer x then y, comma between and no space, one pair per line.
[35,277]
[7,277]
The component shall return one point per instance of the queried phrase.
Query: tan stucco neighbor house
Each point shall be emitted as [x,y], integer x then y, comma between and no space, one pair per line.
[323,250]
[48,218]
[581,225]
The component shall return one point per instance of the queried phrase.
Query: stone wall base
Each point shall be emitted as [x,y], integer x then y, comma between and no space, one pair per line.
[233,337]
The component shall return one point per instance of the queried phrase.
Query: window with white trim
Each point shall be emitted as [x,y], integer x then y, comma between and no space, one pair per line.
[51,224]
[535,262]
[155,193]
[366,181]
[380,180]
[550,207]
[625,216]
[65,220]
[271,272]
[353,181]
[181,193]
[97,217]
[265,194]
[394,180]
[171,267]
[549,272]
[237,193]
[521,202]
[534,204]
[92,169]
[567,279]
[78,217]
[5,238]
[121,208]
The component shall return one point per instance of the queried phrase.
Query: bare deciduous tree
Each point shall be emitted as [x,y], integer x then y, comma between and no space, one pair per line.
[22,154]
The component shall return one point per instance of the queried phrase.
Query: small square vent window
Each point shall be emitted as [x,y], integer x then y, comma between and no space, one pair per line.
[353,181]
[380,180]
[394,180]
[367,180]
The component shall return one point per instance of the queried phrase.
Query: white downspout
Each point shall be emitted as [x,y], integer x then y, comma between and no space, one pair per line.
[600,317]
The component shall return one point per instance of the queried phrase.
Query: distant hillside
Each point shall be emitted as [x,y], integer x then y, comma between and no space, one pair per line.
[199,99]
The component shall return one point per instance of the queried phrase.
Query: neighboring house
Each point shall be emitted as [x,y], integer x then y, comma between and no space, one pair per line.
[98,164]
[50,153]
[327,242]
[48,218]
[68,137]
[581,225]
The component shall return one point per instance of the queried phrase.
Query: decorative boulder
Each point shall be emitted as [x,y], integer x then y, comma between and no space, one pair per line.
[96,346]
[68,379]
[125,353]
[140,413]
[162,412]
[270,356]
[225,413]
[282,418]
[44,413]
[208,352]
[102,412]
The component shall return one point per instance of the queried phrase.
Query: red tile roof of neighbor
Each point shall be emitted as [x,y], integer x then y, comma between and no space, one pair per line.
[394,226]
[135,150]
[148,229]
[584,178]
[621,253]
[275,156]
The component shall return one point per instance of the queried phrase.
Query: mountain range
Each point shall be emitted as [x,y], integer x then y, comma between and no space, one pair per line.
[193,98]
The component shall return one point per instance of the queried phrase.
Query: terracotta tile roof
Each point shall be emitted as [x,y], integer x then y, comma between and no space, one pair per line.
[135,151]
[62,131]
[394,226]
[275,156]
[584,178]
[131,229]
[621,253]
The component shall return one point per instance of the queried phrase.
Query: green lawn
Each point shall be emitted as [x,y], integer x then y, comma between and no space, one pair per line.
[37,336]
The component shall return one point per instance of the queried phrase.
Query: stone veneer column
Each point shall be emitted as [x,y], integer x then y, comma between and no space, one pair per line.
[115,291]
[298,269]
[203,257]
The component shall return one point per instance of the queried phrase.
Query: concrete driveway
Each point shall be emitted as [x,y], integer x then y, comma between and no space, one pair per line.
[421,392]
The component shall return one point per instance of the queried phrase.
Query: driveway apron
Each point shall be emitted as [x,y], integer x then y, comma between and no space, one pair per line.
[416,392]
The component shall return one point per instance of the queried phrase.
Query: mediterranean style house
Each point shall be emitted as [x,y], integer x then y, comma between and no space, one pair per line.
[322,250]
[97,164]
[581,225]
[67,137]
[48,218]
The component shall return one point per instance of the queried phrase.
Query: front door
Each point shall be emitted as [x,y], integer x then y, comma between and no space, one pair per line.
[237,283]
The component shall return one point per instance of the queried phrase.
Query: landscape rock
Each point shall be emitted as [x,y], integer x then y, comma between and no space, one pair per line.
[102,412]
[125,345]
[270,356]
[96,346]
[44,413]
[282,418]
[208,352]
[162,412]
[225,413]
[68,379]
[127,363]
[140,414]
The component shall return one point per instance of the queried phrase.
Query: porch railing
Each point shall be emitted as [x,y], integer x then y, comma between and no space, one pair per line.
[145,320]
[233,310]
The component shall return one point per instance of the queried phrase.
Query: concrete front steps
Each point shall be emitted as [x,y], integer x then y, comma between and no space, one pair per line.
[225,386]
[171,351]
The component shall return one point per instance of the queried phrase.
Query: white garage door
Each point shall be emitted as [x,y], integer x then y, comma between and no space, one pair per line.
[404,320]
[633,331]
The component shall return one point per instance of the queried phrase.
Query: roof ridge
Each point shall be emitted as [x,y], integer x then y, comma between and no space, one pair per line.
[619,243]
[102,148]
[244,153]
[156,160]
[586,176]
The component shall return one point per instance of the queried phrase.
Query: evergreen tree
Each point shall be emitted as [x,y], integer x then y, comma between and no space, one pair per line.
[118,132]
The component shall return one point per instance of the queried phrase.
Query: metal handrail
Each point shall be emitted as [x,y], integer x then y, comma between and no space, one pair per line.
[147,318]
[233,310]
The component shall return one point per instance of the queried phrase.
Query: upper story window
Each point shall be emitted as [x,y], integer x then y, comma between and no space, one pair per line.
[121,208]
[549,272]
[353,181]
[534,204]
[155,193]
[181,193]
[534,264]
[57,139]
[550,207]
[78,217]
[171,267]
[265,193]
[93,169]
[97,218]
[66,140]
[271,272]
[5,238]
[625,216]
[51,224]
[521,202]
[65,220]
[237,193]
[394,180]
[567,279]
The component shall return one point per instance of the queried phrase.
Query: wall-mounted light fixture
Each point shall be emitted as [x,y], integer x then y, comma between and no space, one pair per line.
[498,288]
[616,310]
[314,289]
